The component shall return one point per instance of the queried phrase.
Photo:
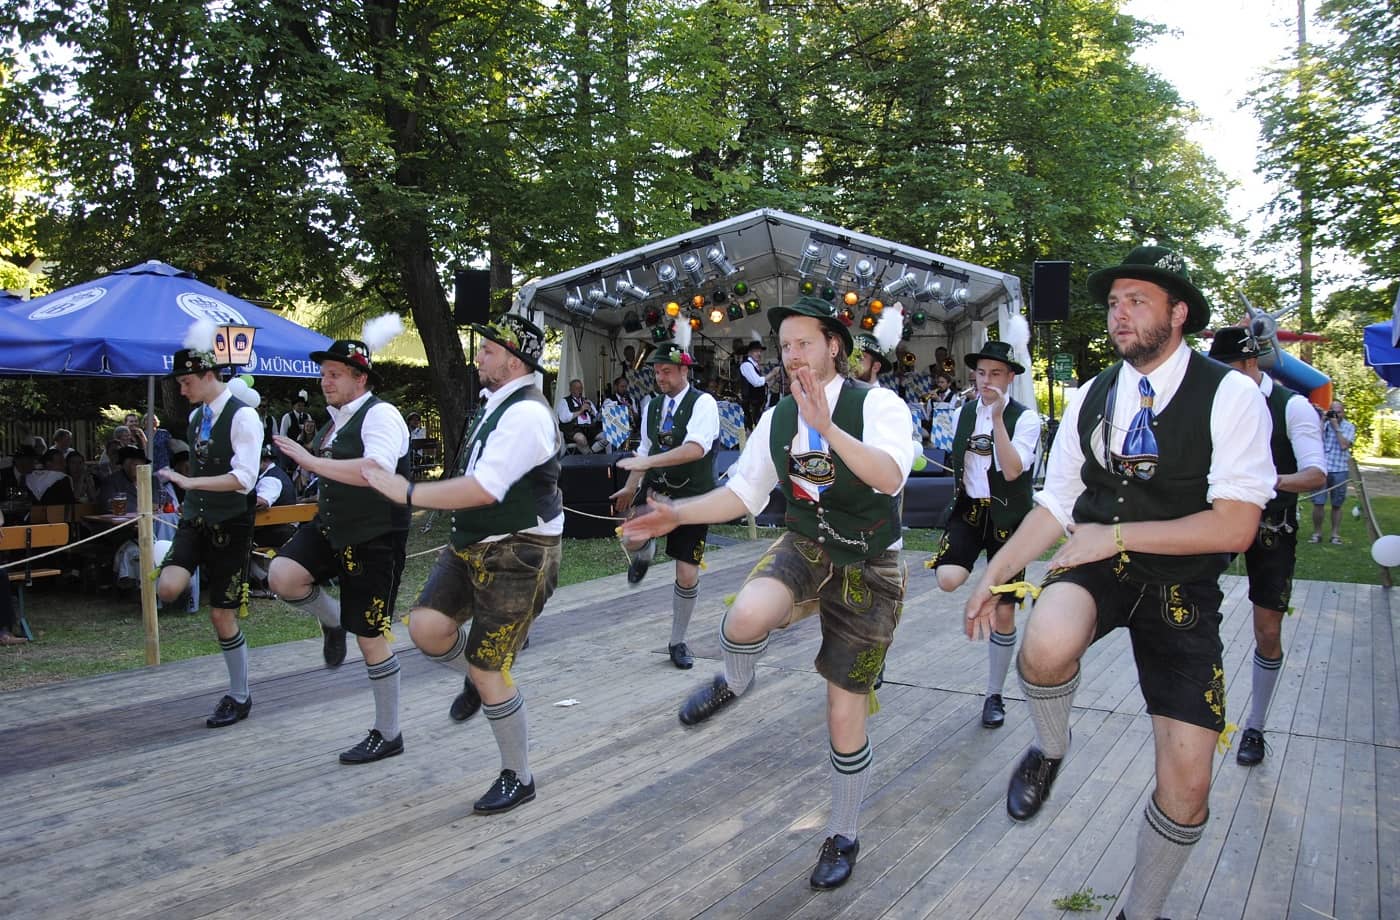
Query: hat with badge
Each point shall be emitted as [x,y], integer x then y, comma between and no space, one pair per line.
[670,353]
[866,343]
[357,353]
[1163,267]
[996,351]
[517,335]
[1233,343]
[817,308]
[197,355]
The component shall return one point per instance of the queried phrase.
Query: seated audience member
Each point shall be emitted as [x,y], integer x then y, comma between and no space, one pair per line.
[416,431]
[579,421]
[26,460]
[123,480]
[9,621]
[274,488]
[49,484]
[85,489]
[63,440]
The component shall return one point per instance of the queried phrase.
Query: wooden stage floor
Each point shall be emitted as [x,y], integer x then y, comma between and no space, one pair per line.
[119,803]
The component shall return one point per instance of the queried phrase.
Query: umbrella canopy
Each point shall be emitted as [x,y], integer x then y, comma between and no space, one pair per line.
[1381,355]
[131,322]
[24,349]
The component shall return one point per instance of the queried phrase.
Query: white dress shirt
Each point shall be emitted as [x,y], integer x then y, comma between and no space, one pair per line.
[566,414]
[1025,439]
[702,428]
[752,372]
[887,427]
[269,487]
[246,432]
[525,436]
[1304,429]
[383,432]
[1241,465]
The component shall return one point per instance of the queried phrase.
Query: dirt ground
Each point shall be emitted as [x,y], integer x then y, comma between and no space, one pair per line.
[1380,478]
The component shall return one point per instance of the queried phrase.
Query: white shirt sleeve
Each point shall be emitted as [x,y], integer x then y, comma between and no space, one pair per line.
[751,373]
[269,489]
[1241,464]
[643,442]
[384,435]
[1305,433]
[703,426]
[528,441]
[889,426]
[561,408]
[285,424]
[1026,438]
[247,436]
[753,476]
[1063,483]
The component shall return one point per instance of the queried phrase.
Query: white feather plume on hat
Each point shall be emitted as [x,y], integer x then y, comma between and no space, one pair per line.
[682,337]
[381,330]
[200,336]
[1018,336]
[890,327]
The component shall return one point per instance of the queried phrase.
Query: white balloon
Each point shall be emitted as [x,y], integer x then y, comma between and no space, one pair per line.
[1386,550]
[1356,511]
[253,398]
[238,388]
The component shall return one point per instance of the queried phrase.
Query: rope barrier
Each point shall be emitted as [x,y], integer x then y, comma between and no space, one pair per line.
[67,546]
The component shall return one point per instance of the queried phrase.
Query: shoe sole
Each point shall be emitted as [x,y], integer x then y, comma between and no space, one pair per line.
[352,763]
[501,811]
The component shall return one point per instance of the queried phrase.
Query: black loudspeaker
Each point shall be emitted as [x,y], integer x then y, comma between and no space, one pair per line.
[472,296]
[1050,292]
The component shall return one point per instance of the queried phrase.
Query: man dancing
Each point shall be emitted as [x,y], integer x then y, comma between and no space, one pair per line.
[1297,451]
[474,613]
[1159,472]
[841,451]
[357,536]
[216,517]
[676,459]
[994,447]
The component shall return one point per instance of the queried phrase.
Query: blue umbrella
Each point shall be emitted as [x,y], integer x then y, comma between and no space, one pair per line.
[1382,356]
[130,323]
[21,350]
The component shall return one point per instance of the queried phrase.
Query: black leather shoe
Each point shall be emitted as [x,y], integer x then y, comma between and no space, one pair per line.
[1251,749]
[505,793]
[1030,784]
[467,702]
[333,646]
[706,701]
[373,748]
[1123,916]
[993,711]
[834,865]
[680,656]
[637,570]
[229,711]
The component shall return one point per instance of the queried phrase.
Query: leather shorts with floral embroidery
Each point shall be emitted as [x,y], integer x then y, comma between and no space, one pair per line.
[223,550]
[368,573]
[500,587]
[860,605]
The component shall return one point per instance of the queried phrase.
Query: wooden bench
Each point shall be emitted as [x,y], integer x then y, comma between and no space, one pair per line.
[282,514]
[27,538]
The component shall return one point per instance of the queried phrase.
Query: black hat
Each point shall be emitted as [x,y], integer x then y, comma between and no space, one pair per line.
[997,351]
[867,343]
[755,343]
[816,308]
[350,352]
[1162,267]
[670,353]
[517,335]
[268,451]
[1233,343]
[190,361]
[131,453]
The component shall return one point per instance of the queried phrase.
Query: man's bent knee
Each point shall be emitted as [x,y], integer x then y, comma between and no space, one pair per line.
[432,631]
[951,577]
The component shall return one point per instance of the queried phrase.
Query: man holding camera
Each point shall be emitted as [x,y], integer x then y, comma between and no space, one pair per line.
[1337,437]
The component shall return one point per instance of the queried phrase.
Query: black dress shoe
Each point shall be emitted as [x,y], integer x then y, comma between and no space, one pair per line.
[707,701]
[680,656]
[467,702]
[834,865]
[1251,749]
[1030,784]
[993,711]
[637,570]
[373,748]
[229,711]
[505,793]
[333,646]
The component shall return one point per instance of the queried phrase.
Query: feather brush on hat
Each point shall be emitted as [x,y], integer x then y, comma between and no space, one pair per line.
[200,336]
[381,330]
[1018,336]
[890,327]
[682,336]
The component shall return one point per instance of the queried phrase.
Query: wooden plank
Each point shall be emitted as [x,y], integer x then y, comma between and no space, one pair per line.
[1388,829]
[284,514]
[1357,883]
[1268,898]
[1385,725]
[1315,874]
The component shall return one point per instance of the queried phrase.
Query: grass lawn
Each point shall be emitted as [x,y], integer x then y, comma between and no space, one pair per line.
[81,634]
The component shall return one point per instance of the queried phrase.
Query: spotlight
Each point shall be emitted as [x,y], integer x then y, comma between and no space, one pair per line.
[865,275]
[932,289]
[720,295]
[653,316]
[631,322]
[626,288]
[876,306]
[867,321]
[828,293]
[693,269]
[851,298]
[698,301]
[919,317]
[695,323]
[901,285]
[599,297]
[666,277]
[717,315]
[752,306]
[740,288]
[576,305]
[736,310]
[573,303]
[660,333]
[807,287]
[959,297]
[807,263]
[839,261]
[718,258]
[846,317]
[673,308]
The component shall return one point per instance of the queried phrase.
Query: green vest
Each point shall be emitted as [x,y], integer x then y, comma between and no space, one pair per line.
[532,498]
[215,459]
[349,515]
[1178,485]
[694,478]
[852,522]
[1011,501]
[1283,507]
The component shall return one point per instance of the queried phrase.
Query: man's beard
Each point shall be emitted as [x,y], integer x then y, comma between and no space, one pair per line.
[1148,345]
